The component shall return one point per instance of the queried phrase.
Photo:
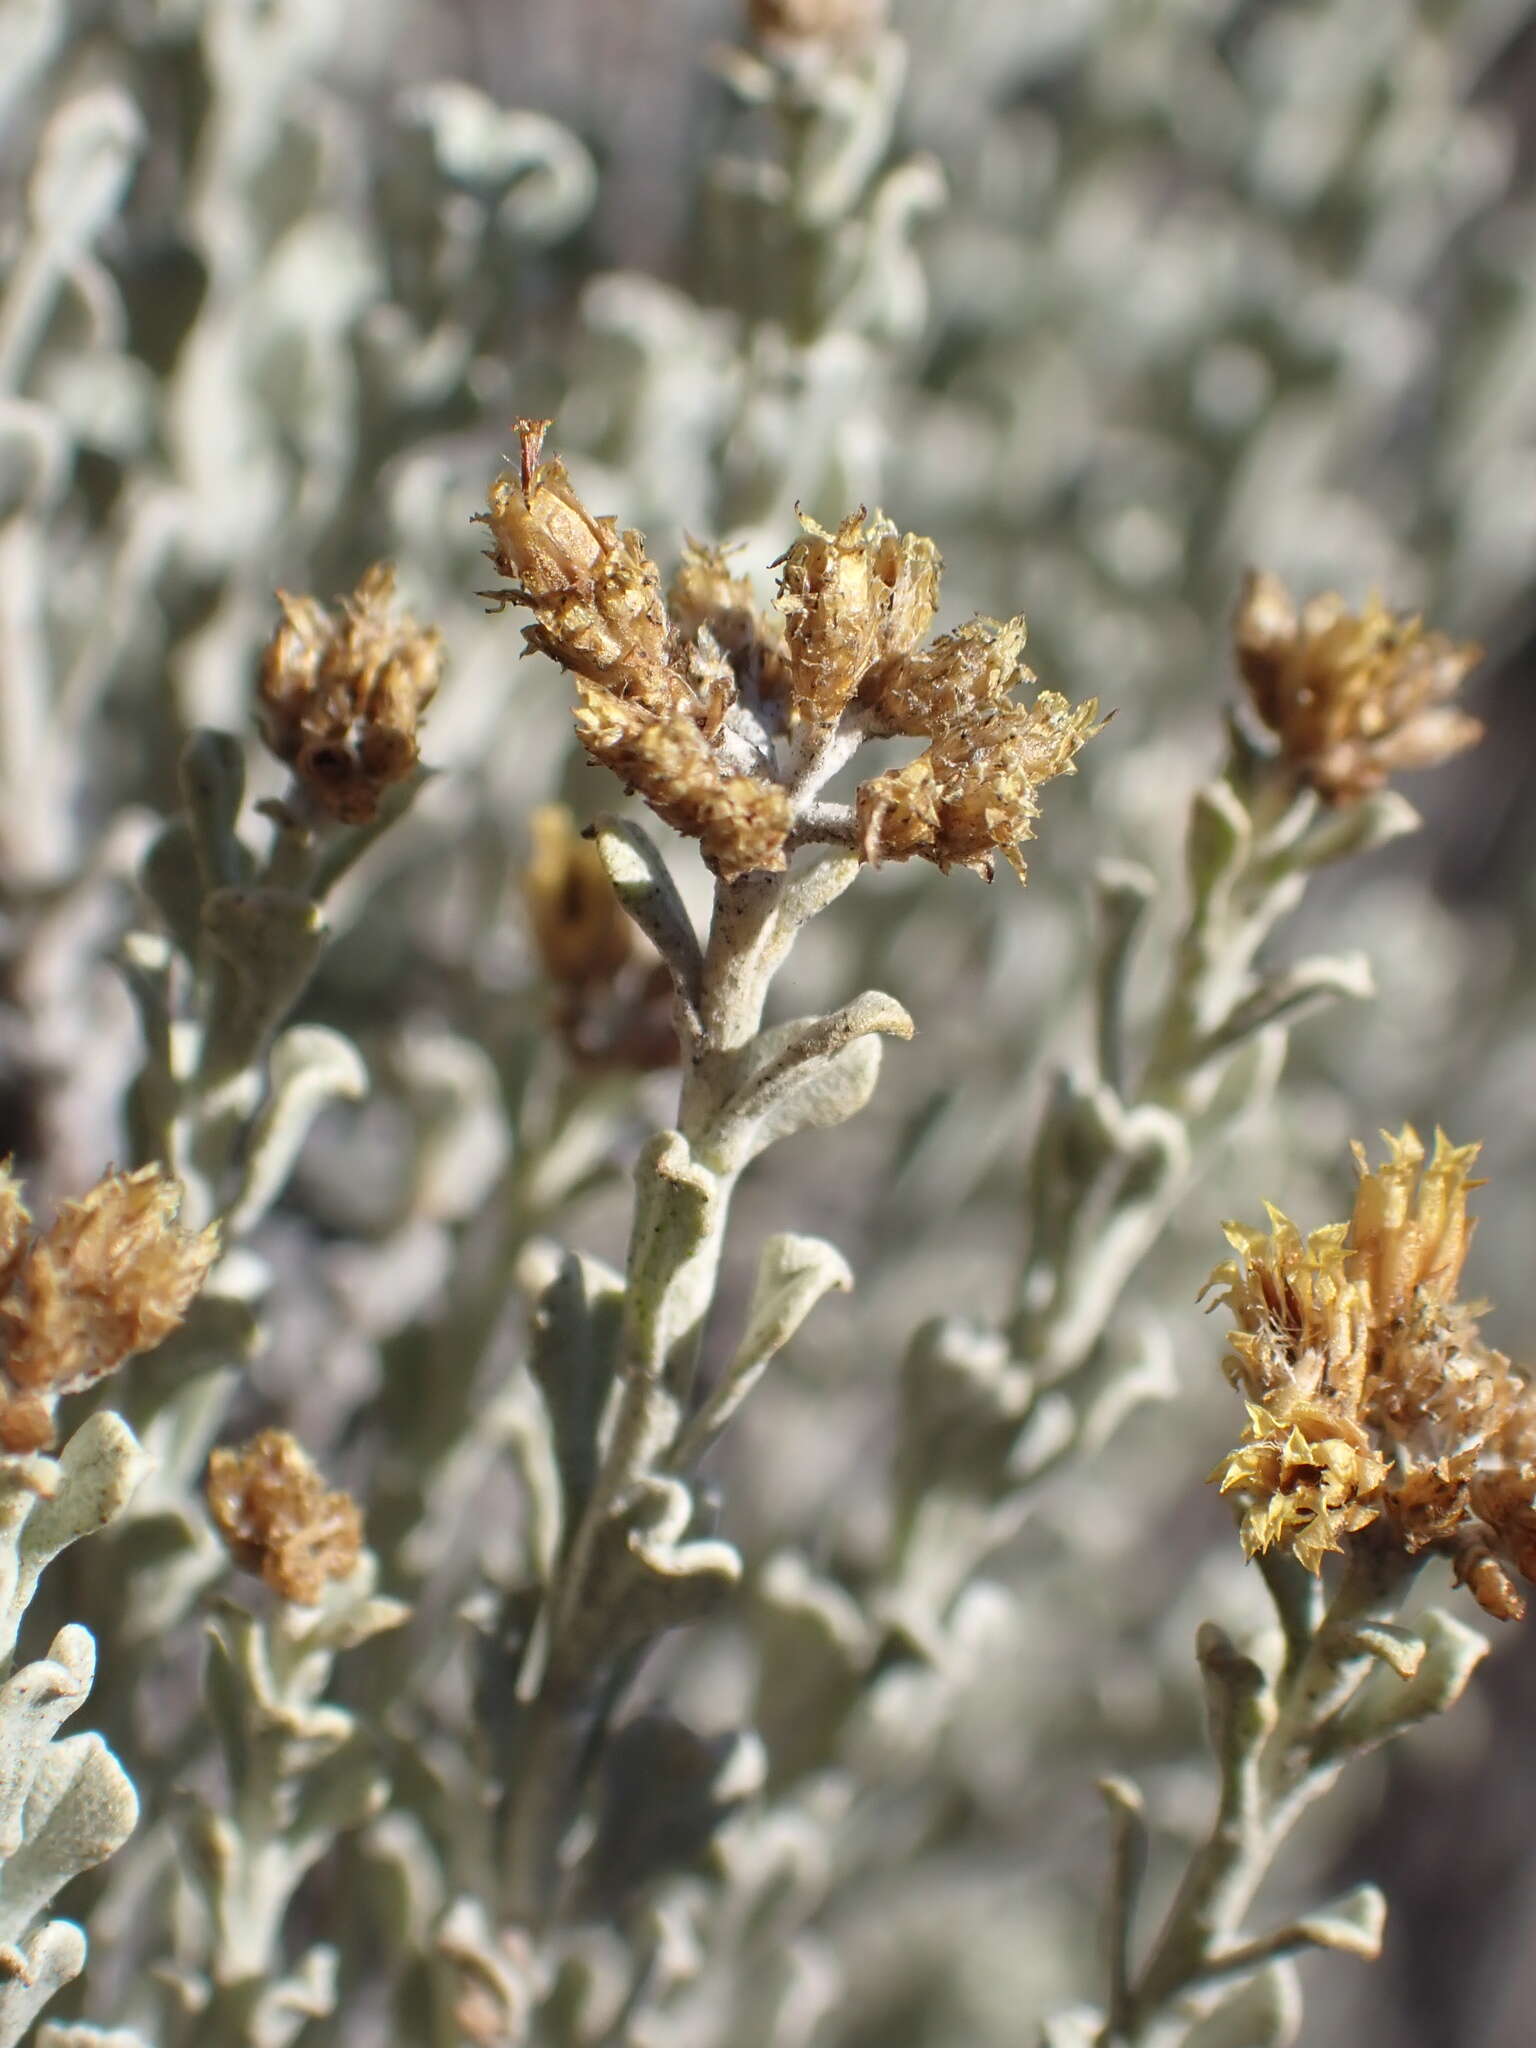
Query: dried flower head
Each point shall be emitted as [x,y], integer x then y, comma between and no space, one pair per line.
[728,719]
[974,793]
[851,599]
[646,706]
[111,1277]
[838,24]
[1352,697]
[342,694]
[1372,1398]
[613,995]
[278,1519]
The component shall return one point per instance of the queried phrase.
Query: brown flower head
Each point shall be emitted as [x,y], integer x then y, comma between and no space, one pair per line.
[960,678]
[851,599]
[277,1518]
[342,694]
[613,995]
[1352,697]
[1371,1394]
[730,721]
[974,793]
[650,705]
[837,24]
[111,1277]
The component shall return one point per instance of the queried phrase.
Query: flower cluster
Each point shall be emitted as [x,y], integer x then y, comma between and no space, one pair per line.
[341,696]
[278,1518]
[612,992]
[111,1277]
[1351,697]
[1372,1398]
[727,719]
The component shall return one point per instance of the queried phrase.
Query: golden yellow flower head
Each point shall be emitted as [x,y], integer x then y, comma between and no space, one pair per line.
[341,695]
[1352,697]
[278,1518]
[111,1277]
[1309,1476]
[1371,1395]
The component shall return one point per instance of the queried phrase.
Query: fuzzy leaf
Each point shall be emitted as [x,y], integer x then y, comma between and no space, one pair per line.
[574,1354]
[1220,837]
[52,1957]
[212,771]
[792,1276]
[643,884]
[810,1074]
[80,1808]
[266,942]
[85,160]
[309,1067]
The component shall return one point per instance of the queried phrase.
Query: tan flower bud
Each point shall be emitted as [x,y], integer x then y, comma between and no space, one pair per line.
[958,680]
[840,24]
[1352,697]
[850,599]
[112,1277]
[277,1518]
[740,821]
[973,794]
[545,538]
[612,994]
[341,695]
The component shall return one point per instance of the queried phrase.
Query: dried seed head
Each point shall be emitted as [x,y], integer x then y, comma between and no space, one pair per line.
[341,695]
[277,1518]
[962,677]
[974,793]
[740,821]
[1352,697]
[111,1277]
[851,599]
[1372,1397]
[651,703]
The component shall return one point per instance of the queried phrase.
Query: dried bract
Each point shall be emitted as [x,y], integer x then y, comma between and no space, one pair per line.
[1352,697]
[277,1517]
[1372,1398]
[111,1277]
[341,694]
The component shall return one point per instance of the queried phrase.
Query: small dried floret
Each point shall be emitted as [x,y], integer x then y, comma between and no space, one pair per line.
[342,694]
[851,599]
[111,1277]
[973,793]
[1372,1397]
[1309,1474]
[962,677]
[277,1517]
[740,821]
[1352,697]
